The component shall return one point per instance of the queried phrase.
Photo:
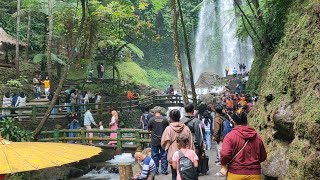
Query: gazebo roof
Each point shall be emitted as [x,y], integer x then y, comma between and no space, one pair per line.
[6,38]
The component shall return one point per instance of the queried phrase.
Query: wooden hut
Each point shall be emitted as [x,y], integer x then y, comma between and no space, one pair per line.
[7,42]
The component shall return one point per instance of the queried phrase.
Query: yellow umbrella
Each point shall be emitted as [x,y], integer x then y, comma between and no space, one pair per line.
[28,156]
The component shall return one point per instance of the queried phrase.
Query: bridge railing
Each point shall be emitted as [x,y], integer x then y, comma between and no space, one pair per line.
[38,111]
[137,137]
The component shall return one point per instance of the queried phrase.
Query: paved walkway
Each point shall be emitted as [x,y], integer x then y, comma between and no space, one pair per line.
[211,174]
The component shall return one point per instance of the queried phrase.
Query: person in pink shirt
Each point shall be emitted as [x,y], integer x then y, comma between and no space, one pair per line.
[182,141]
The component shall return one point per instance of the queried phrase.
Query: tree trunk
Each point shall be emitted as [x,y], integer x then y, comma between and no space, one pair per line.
[49,64]
[28,35]
[37,131]
[18,39]
[177,51]
[193,89]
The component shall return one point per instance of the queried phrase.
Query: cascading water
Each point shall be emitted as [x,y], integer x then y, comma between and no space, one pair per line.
[217,46]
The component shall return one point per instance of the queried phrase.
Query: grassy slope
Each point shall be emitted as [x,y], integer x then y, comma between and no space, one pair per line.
[293,78]
[130,72]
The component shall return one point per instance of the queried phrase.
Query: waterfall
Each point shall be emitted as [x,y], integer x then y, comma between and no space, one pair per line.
[217,46]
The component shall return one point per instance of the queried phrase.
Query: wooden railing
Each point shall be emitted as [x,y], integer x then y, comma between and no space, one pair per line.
[38,111]
[138,137]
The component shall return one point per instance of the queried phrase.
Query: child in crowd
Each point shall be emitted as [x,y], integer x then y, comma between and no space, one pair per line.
[101,135]
[182,141]
[148,168]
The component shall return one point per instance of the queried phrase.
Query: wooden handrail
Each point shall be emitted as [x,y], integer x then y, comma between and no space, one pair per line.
[56,136]
[163,100]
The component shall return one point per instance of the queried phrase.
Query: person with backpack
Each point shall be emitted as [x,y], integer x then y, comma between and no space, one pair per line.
[185,161]
[145,117]
[194,125]
[157,125]
[207,121]
[242,151]
[170,135]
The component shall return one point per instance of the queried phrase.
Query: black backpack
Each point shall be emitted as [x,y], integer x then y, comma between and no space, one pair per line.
[186,168]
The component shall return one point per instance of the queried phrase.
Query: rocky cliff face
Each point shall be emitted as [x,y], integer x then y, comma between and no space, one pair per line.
[288,113]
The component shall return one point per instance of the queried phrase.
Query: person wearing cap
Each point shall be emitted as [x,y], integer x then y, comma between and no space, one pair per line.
[157,125]
[88,120]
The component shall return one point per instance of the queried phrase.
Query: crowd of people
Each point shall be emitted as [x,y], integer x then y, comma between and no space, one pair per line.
[221,126]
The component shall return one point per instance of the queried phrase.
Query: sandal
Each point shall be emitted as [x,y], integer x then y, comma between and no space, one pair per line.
[219,174]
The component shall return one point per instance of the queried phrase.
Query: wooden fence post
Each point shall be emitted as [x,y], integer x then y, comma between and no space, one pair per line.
[138,143]
[56,135]
[73,108]
[83,136]
[64,136]
[34,112]
[119,136]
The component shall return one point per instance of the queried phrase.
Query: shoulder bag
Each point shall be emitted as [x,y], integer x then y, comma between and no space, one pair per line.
[224,169]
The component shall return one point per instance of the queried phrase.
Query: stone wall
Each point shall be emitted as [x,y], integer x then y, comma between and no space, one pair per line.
[288,113]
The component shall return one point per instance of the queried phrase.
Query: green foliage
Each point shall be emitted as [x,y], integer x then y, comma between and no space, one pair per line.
[11,132]
[18,83]
[132,72]
[159,78]
[159,4]
[291,75]
[55,59]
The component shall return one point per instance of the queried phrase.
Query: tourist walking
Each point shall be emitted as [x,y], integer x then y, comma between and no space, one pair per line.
[227,71]
[74,124]
[13,102]
[242,151]
[218,129]
[6,103]
[85,100]
[67,101]
[98,99]
[113,125]
[235,72]
[99,70]
[157,125]
[36,85]
[145,118]
[189,165]
[169,137]
[21,102]
[46,85]
[194,125]
[88,120]
[207,121]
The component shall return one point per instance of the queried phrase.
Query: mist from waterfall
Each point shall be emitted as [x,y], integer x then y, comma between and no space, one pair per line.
[217,46]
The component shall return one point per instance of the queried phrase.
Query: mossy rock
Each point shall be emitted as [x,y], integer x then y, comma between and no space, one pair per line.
[291,76]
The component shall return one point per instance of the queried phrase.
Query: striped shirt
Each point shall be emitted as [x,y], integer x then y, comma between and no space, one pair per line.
[148,168]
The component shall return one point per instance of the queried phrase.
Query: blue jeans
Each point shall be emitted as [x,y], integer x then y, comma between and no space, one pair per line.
[68,107]
[156,153]
[73,125]
[208,139]
[174,173]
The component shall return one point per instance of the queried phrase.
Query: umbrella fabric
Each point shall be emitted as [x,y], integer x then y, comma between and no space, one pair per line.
[28,156]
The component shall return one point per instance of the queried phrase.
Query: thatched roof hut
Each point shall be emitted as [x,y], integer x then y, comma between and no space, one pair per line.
[7,39]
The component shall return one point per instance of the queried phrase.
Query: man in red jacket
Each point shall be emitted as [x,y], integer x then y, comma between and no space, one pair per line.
[243,151]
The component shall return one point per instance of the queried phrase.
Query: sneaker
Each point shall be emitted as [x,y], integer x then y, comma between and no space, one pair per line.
[165,173]
[218,164]
[101,143]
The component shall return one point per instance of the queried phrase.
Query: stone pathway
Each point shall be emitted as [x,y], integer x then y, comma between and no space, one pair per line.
[211,174]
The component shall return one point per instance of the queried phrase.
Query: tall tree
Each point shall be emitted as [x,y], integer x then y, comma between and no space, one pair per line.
[177,51]
[49,47]
[18,39]
[193,89]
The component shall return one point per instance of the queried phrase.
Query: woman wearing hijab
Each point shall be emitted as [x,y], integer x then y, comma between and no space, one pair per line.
[113,125]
